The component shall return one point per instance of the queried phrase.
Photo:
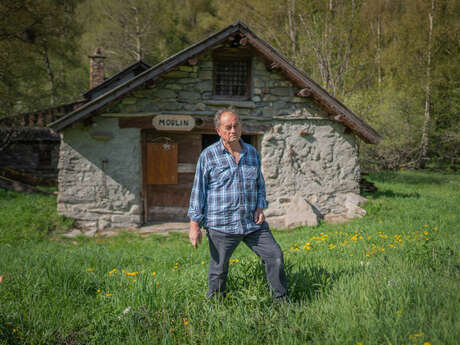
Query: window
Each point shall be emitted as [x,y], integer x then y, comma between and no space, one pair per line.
[232,76]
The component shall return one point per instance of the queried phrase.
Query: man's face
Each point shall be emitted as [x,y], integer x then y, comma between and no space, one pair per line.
[230,128]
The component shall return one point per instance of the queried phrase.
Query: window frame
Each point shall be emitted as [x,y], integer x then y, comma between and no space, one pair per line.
[232,55]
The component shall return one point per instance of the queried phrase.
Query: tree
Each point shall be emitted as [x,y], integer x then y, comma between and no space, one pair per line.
[37,51]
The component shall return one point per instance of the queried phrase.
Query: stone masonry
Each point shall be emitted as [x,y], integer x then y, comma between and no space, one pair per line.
[100,177]
[310,165]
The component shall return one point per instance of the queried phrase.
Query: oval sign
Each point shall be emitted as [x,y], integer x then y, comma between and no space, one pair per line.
[173,122]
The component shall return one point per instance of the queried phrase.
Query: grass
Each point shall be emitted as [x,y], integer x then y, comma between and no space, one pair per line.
[389,278]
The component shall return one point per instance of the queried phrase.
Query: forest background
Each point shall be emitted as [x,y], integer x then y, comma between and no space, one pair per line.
[395,63]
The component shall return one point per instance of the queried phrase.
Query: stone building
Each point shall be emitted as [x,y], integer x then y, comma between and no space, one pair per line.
[128,156]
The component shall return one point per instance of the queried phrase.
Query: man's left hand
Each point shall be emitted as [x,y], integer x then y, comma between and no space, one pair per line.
[259,217]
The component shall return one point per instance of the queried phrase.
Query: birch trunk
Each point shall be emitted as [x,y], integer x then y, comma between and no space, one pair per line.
[426,124]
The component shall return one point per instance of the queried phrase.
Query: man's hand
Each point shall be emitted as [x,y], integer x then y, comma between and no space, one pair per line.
[194,234]
[259,217]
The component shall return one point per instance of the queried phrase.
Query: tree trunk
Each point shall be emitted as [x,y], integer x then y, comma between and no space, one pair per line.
[426,124]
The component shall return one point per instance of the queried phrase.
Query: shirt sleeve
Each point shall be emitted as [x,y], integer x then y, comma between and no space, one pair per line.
[198,194]
[261,198]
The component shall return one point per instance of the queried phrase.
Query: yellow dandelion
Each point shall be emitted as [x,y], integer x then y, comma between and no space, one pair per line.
[185,321]
[425,232]
[157,283]
[154,274]
[351,254]
[134,280]
[359,343]
[108,294]
[15,330]
[89,269]
[98,290]
[142,271]
[113,271]
[435,229]
[332,246]
[426,343]
[202,262]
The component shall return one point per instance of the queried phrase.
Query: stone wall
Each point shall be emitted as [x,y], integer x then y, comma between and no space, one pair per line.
[311,172]
[189,88]
[100,175]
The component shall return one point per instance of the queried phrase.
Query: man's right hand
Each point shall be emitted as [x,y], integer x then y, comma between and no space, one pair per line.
[194,234]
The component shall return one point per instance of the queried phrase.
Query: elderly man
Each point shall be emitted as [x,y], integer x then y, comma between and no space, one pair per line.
[227,199]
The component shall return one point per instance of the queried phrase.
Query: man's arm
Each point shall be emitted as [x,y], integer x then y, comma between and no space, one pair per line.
[259,216]
[197,200]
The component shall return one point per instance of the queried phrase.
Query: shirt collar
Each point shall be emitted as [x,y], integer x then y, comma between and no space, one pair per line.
[223,149]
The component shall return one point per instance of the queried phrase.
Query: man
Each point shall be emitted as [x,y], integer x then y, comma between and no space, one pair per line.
[227,199]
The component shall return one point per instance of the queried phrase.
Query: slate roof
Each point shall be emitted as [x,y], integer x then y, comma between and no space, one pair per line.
[117,79]
[273,58]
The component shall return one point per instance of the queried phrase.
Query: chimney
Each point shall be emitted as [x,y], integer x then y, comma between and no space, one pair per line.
[96,68]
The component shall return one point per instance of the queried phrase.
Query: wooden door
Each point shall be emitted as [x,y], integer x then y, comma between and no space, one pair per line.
[169,172]
[162,163]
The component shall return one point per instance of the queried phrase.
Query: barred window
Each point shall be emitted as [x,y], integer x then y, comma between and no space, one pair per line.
[231,78]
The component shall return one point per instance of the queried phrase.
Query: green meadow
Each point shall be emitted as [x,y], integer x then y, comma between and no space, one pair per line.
[392,277]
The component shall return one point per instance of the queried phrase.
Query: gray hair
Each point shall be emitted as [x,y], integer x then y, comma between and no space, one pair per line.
[219,115]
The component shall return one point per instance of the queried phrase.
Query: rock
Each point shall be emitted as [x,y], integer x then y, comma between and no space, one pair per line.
[270,98]
[276,222]
[103,224]
[164,93]
[205,75]
[74,233]
[186,68]
[189,95]
[282,91]
[299,213]
[177,74]
[352,203]
[90,233]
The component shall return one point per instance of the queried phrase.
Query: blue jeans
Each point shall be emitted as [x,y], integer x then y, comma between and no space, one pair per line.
[261,242]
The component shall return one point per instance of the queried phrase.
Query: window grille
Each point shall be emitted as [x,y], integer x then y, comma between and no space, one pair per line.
[231,78]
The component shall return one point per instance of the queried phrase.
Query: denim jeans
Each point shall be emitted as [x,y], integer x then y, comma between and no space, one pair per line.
[261,242]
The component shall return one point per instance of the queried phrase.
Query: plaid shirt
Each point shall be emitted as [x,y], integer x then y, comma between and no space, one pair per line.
[225,194]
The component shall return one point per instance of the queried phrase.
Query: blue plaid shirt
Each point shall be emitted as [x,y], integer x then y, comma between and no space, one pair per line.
[225,194]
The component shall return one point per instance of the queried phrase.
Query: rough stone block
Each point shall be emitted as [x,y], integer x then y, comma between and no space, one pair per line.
[177,74]
[282,91]
[300,213]
[164,93]
[204,75]
[189,95]
[259,82]
[186,68]
[189,81]
[175,87]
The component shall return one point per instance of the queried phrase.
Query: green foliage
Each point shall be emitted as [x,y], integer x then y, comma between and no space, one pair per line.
[38,54]
[389,278]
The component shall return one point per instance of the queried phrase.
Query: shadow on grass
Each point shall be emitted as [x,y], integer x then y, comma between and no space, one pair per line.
[410,177]
[308,282]
[388,193]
